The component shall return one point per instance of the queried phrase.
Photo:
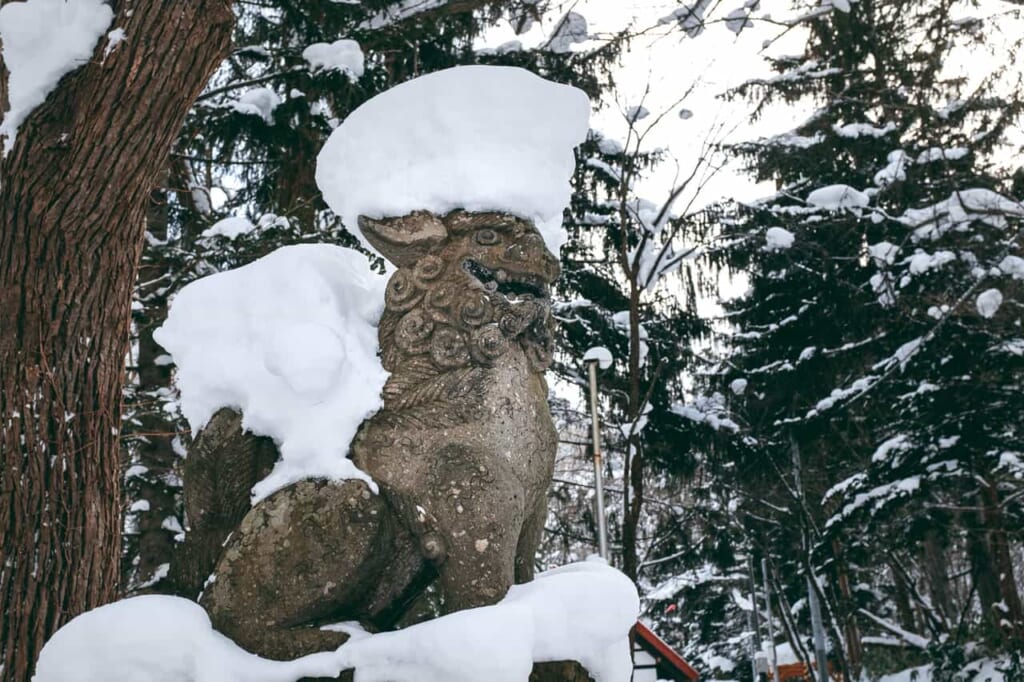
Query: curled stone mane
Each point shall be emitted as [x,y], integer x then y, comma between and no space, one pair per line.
[460,304]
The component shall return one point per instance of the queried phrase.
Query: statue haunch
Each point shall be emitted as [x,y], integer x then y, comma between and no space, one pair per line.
[462,450]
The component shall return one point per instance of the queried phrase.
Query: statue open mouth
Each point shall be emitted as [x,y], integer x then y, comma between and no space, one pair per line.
[512,285]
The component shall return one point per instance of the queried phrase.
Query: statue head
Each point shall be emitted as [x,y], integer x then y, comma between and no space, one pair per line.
[468,286]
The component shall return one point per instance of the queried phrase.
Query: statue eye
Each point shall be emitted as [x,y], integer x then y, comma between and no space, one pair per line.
[486,237]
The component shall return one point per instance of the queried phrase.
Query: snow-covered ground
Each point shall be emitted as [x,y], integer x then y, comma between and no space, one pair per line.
[156,638]
[978,671]
[581,612]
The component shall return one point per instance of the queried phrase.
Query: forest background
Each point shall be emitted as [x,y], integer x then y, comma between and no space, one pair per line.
[797,227]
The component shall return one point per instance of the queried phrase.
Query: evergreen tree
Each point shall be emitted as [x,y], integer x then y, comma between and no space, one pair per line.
[871,323]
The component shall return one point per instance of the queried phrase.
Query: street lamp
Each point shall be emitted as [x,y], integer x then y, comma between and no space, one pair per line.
[598,356]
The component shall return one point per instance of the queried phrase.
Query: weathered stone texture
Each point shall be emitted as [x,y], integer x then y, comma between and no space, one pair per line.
[463,451]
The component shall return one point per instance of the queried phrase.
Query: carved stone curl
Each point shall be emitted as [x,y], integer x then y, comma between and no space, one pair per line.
[463,451]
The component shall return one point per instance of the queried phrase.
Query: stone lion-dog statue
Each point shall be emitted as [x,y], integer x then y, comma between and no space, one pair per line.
[462,450]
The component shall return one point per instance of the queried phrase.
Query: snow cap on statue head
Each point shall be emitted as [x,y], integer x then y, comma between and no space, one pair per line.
[480,138]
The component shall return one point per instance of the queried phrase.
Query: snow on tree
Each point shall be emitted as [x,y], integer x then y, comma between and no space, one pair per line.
[42,41]
[630,286]
[871,328]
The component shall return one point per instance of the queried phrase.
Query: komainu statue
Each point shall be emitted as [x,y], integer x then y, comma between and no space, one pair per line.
[462,451]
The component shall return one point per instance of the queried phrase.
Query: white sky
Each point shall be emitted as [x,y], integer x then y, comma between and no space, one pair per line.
[665,62]
[660,67]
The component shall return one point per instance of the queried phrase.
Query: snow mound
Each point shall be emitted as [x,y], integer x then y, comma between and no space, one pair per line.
[290,340]
[571,29]
[258,102]
[884,252]
[778,239]
[231,227]
[341,55]
[835,197]
[1013,266]
[855,130]
[636,113]
[601,355]
[923,261]
[42,41]
[580,612]
[472,137]
[895,170]
[155,638]
[988,302]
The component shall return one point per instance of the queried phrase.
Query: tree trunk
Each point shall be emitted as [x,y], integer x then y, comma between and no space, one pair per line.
[988,552]
[72,208]
[633,485]
[1010,612]
[902,599]
[936,569]
[983,572]
[154,544]
[846,609]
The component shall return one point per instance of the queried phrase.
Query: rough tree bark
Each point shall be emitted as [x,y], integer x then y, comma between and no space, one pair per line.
[902,599]
[1009,611]
[936,569]
[73,193]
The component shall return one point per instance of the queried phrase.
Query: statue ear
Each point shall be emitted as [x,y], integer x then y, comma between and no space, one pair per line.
[404,240]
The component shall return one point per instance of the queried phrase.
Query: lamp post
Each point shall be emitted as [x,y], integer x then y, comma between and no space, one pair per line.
[602,529]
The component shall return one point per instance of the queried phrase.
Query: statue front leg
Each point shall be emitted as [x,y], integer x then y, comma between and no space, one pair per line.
[480,507]
[529,540]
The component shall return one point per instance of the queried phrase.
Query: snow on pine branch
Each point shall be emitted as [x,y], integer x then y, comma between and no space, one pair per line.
[690,17]
[572,29]
[342,55]
[42,40]
[710,410]
[958,211]
[399,11]
[582,612]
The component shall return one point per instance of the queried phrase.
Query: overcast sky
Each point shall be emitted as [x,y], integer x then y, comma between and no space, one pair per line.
[665,63]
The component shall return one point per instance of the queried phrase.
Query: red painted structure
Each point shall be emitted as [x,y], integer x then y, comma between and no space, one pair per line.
[669,664]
